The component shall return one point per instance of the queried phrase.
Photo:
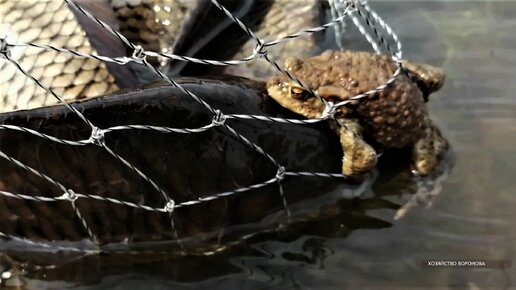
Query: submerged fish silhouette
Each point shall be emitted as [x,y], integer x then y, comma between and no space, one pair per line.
[186,166]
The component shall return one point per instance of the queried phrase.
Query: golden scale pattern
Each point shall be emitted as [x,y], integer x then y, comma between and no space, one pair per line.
[47,22]
[302,14]
[153,24]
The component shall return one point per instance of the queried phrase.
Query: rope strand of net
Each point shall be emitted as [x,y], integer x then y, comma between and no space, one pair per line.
[65,196]
[67,193]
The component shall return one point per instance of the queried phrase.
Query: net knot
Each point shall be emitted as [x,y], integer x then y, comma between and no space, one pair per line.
[170,206]
[70,195]
[260,50]
[219,119]
[329,110]
[5,50]
[139,54]
[97,136]
[280,174]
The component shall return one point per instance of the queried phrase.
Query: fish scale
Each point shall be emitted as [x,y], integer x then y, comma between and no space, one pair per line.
[301,15]
[153,24]
[50,23]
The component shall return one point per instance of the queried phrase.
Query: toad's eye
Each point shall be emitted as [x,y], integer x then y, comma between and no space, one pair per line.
[299,93]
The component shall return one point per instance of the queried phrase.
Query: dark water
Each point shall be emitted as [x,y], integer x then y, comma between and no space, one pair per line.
[471,219]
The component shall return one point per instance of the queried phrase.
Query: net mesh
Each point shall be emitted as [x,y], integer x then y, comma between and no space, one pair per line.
[370,24]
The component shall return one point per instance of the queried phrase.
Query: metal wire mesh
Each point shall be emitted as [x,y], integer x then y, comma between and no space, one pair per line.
[369,23]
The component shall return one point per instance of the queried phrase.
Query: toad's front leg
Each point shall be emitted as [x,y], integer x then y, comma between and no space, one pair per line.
[359,157]
[428,150]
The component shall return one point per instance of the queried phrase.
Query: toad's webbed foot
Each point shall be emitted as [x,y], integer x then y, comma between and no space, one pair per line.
[429,150]
[359,157]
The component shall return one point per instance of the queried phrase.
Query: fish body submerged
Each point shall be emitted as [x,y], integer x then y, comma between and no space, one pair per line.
[184,167]
[187,167]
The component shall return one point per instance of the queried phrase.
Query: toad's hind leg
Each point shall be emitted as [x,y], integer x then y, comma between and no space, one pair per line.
[429,150]
[359,157]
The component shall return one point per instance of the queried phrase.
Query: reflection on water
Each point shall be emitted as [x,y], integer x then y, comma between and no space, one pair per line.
[363,247]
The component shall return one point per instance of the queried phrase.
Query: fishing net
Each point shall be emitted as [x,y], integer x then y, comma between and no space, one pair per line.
[177,164]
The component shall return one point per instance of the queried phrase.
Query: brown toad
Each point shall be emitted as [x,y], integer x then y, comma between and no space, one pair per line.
[396,117]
